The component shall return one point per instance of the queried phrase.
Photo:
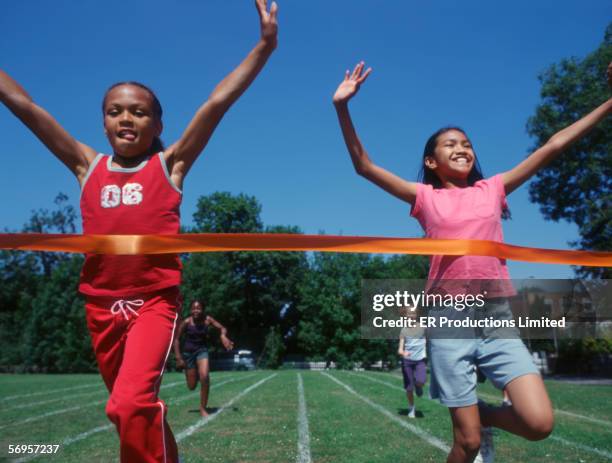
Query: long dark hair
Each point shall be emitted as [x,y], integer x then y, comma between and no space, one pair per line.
[429,177]
[158,144]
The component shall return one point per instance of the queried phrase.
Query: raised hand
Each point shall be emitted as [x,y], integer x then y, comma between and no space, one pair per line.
[269,25]
[351,83]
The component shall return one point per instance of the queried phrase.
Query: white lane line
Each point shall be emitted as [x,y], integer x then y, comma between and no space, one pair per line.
[69,397]
[608,424]
[431,440]
[71,440]
[83,435]
[392,386]
[69,409]
[106,427]
[303,455]
[215,385]
[552,436]
[52,413]
[44,402]
[32,394]
[169,385]
[558,411]
[203,421]
[588,448]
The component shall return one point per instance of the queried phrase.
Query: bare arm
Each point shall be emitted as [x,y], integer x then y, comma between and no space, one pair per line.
[400,349]
[557,144]
[227,343]
[177,341]
[181,155]
[364,166]
[75,155]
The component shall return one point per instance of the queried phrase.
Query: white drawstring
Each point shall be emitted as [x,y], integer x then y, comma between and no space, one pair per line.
[123,306]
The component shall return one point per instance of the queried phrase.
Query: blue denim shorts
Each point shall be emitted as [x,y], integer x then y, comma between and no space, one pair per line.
[191,358]
[453,362]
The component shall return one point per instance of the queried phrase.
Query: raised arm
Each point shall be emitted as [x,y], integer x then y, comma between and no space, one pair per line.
[181,155]
[76,156]
[557,144]
[364,166]
[227,343]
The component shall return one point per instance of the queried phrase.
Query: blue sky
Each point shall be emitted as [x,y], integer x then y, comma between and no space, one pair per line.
[435,63]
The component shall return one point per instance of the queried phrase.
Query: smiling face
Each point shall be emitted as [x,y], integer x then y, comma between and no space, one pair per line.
[197,310]
[130,121]
[453,158]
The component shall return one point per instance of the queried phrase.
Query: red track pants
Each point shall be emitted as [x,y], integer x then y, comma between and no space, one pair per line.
[132,339]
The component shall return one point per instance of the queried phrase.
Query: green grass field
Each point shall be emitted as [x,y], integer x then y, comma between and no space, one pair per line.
[263,416]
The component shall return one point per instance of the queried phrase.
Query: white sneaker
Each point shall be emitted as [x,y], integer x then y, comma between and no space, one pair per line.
[487,450]
[412,413]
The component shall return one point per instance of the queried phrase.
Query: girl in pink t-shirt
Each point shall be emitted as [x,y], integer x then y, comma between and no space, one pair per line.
[455,201]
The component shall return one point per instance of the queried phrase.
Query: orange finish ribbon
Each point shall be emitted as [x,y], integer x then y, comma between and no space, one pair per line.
[215,242]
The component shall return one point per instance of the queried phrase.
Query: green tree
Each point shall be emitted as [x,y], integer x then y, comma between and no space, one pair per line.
[19,279]
[23,275]
[577,186]
[408,267]
[61,220]
[249,292]
[330,306]
[273,350]
[222,212]
[55,337]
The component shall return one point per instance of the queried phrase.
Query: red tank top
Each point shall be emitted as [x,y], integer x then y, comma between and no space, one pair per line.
[129,201]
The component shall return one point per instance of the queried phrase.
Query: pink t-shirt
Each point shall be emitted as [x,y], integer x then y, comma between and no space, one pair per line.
[465,213]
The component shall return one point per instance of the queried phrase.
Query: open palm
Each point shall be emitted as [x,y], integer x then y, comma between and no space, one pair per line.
[351,83]
[269,23]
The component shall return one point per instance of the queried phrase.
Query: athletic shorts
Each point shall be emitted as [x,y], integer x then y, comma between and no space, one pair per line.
[191,358]
[454,362]
[414,372]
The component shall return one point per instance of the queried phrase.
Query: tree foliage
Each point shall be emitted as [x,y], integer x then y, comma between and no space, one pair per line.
[249,292]
[24,275]
[55,336]
[330,306]
[577,187]
[273,350]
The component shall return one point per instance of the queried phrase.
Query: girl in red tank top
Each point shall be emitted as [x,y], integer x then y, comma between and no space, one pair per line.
[132,301]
